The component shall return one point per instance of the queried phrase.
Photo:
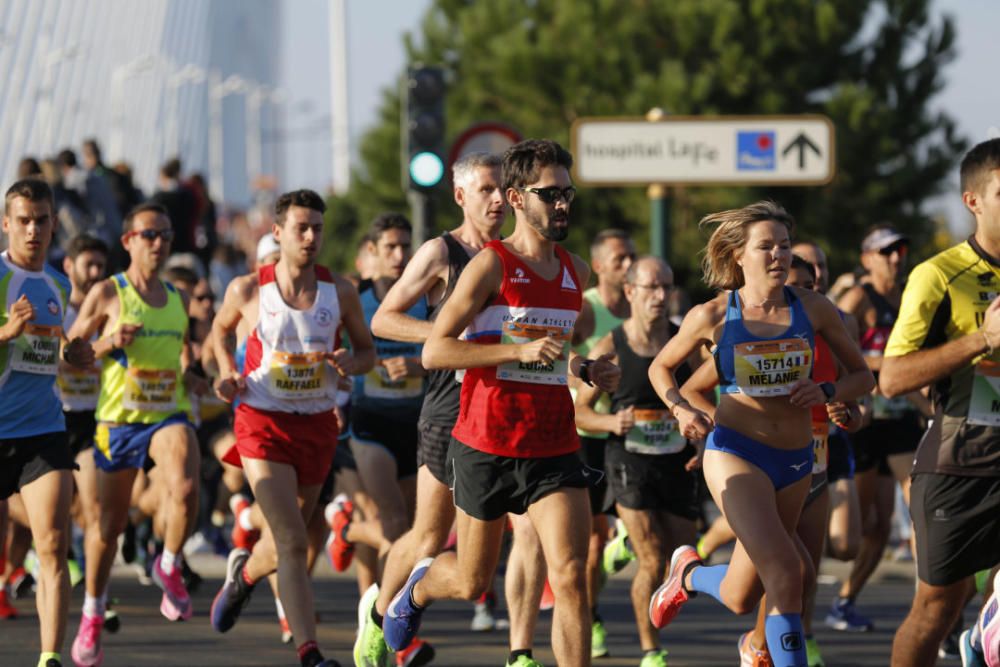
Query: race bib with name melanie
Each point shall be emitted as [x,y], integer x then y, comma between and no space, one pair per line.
[770,368]
[654,433]
[537,372]
[297,375]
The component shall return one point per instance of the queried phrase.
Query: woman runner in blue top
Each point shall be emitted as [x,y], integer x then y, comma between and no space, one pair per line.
[758,458]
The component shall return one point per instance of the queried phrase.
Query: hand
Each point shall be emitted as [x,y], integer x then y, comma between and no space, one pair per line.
[839,413]
[805,394]
[20,313]
[124,335]
[402,367]
[692,423]
[991,323]
[544,350]
[604,374]
[625,420]
[695,462]
[229,388]
[196,384]
[342,361]
[79,353]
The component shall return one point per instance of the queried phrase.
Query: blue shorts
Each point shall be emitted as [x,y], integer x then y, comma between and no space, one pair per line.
[127,446]
[783,466]
[841,465]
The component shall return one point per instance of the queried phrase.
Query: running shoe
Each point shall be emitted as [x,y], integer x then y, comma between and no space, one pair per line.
[286,631]
[483,619]
[548,599]
[402,618]
[989,626]
[618,552]
[598,640]
[369,647]
[654,659]
[52,662]
[750,656]
[417,654]
[971,656]
[844,617]
[112,621]
[524,661]
[234,594]
[87,651]
[339,514]
[176,603]
[22,584]
[7,610]
[192,580]
[668,598]
[813,657]
[242,538]
[949,649]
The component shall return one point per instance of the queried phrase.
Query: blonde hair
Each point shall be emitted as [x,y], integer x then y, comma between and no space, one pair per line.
[719,263]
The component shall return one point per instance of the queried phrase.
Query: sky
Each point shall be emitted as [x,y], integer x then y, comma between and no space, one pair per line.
[376,58]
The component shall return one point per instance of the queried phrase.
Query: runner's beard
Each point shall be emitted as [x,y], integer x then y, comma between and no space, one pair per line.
[547,232]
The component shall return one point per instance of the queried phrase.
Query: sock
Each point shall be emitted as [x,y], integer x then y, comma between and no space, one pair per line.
[514,655]
[650,651]
[250,583]
[708,579]
[95,606]
[412,603]
[785,640]
[279,608]
[594,615]
[377,617]
[244,519]
[167,561]
[309,655]
[48,655]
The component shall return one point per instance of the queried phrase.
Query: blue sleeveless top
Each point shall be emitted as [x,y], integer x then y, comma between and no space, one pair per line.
[759,366]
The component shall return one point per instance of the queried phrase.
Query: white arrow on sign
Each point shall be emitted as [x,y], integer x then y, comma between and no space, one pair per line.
[729,150]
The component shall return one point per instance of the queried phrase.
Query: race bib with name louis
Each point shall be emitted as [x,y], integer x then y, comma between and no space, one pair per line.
[378,385]
[821,446]
[984,405]
[36,350]
[654,433]
[150,390]
[536,372]
[770,368]
[297,375]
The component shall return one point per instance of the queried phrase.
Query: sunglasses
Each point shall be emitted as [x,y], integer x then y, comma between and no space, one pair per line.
[152,234]
[553,194]
[901,248]
[204,297]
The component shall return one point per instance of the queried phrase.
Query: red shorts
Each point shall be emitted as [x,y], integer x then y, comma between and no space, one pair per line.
[305,442]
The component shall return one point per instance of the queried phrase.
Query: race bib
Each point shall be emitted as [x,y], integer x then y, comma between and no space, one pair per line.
[655,432]
[821,446]
[297,375]
[770,368]
[890,408]
[378,385]
[36,350]
[150,390]
[984,405]
[535,372]
[79,384]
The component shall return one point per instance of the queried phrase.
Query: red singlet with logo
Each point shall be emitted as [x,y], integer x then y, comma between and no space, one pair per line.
[516,409]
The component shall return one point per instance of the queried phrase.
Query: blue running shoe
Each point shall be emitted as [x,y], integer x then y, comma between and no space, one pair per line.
[844,617]
[971,656]
[234,594]
[402,618]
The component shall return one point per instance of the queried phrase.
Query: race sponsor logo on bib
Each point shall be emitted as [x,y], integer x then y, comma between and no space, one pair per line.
[297,375]
[150,390]
[770,368]
[655,432]
[984,405]
[378,385]
[535,372]
[36,350]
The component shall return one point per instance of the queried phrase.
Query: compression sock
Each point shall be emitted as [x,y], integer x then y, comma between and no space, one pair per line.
[514,655]
[309,654]
[377,617]
[708,579]
[785,640]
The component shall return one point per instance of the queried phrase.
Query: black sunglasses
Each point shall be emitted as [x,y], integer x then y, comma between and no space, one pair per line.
[899,246]
[553,194]
[151,234]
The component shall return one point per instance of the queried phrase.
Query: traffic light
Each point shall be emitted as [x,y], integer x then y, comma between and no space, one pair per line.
[423,127]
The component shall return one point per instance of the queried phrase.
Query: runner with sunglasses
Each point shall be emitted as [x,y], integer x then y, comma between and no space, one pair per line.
[142,416]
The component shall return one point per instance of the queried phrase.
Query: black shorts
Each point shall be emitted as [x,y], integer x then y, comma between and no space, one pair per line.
[817,485]
[874,444]
[343,457]
[397,435]
[433,439]
[23,460]
[841,462]
[660,483]
[210,431]
[592,453]
[80,426]
[487,486]
[956,523]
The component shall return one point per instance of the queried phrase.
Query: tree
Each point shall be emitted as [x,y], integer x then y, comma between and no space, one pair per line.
[872,66]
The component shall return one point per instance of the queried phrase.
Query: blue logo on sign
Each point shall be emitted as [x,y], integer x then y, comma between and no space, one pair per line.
[755,151]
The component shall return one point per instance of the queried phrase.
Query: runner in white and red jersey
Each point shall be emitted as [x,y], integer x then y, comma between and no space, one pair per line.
[513,448]
[286,427]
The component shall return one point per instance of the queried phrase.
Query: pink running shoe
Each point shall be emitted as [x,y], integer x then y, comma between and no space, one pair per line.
[87,651]
[989,626]
[176,603]
[669,597]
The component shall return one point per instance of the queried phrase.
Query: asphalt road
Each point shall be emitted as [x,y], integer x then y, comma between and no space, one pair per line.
[704,634]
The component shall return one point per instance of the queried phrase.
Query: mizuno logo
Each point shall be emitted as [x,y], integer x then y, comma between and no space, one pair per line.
[798,466]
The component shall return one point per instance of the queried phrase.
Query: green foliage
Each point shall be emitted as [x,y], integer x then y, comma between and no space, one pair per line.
[872,66]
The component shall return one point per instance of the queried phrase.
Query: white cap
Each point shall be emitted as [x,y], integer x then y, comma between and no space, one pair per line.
[267,246]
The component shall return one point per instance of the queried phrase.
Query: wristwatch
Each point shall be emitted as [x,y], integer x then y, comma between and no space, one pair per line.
[829,389]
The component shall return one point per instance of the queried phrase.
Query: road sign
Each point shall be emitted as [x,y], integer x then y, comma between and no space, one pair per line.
[705,150]
[484,137]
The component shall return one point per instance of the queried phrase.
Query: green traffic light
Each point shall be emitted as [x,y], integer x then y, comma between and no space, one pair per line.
[426,169]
